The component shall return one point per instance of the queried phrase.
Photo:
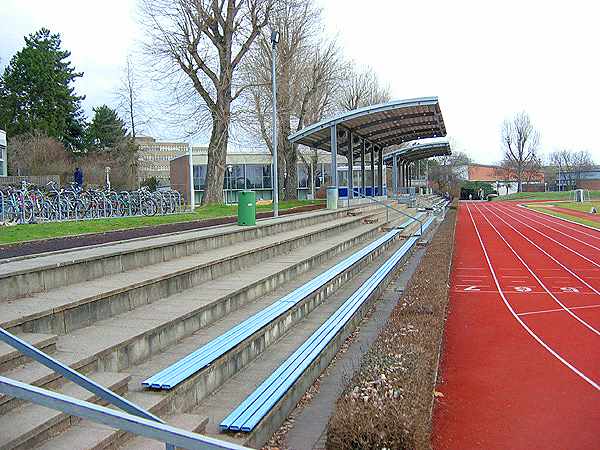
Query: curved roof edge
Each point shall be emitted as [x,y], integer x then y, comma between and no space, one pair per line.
[419,150]
[394,104]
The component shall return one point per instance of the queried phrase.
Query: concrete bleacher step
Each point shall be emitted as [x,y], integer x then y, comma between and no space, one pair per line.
[132,337]
[189,422]
[232,389]
[24,276]
[10,358]
[29,425]
[71,307]
[223,401]
[93,436]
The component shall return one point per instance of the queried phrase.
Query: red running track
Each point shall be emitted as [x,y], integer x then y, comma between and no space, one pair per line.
[521,358]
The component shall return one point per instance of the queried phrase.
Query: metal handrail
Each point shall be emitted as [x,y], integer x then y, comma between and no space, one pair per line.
[388,208]
[171,436]
[105,394]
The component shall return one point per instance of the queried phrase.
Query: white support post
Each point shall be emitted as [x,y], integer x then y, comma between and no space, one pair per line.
[191,167]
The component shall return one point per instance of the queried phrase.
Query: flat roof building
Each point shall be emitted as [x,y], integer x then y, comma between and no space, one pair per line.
[154,157]
[251,169]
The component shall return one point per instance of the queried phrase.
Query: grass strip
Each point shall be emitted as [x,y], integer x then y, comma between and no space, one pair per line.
[30,232]
[562,215]
[563,195]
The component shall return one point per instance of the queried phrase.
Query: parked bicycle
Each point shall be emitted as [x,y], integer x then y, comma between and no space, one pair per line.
[29,204]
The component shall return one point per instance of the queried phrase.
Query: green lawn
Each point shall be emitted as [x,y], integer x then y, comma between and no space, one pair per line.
[29,232]
[578,206]
[565,195]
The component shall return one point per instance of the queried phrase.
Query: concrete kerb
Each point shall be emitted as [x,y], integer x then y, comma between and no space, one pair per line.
[19,283]
[85,311]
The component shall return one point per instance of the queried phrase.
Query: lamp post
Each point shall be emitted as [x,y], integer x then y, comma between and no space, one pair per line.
[191,169]
[274,42]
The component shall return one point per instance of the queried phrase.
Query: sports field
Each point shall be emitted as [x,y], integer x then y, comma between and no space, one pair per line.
[521,358]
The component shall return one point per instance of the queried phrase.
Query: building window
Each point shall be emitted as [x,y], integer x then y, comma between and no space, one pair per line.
[258,176]
[303,176]
[200,177]
[234,177]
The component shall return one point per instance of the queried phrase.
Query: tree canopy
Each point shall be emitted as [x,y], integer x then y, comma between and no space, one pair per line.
[37,92]
[106,129]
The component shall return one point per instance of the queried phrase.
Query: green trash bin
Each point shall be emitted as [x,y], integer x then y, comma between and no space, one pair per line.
[247,208]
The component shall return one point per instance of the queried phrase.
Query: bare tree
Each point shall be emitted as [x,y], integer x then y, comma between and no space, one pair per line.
[570,164]
[206,40]
[130,97]
[361,87]
[306,70]
[520,141]
[445,171]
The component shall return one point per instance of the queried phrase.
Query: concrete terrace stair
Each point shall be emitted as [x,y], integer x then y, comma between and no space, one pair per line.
[142,337]
[30,424]
[244,382]
[186,395]
[131,337]
[23,276]
[10,358]
[78,305]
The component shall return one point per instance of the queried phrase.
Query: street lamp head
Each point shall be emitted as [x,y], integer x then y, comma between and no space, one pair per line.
[275,37]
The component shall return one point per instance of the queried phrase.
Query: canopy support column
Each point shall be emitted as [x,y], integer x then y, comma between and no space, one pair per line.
[334,177]
[372,171]
[380,169]
[395,175]
[350,168]
[362,168]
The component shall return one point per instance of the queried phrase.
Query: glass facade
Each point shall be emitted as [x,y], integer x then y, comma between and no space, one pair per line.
[257,177]
[200,177]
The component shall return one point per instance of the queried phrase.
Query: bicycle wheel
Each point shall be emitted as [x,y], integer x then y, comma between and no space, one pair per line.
[149,207]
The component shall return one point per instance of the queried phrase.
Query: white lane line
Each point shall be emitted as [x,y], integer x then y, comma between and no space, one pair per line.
[556,310]
[579,294]
[558,221]
[523,324]
[540,282]
[557,242]
[554,229]
[547,254]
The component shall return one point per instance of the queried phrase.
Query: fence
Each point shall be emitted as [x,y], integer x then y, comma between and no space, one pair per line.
[40,180]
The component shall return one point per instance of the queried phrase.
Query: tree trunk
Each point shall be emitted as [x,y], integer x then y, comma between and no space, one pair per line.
[217,154]
[291,181]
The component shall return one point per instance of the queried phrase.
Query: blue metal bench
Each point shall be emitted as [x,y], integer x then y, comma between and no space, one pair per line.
[171,376]
[252,410]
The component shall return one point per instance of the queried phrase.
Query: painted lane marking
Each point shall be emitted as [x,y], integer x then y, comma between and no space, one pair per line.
[558,231]
[523,324]
[559,243]
[565,289]
[572,314]
[529,313]
[537,215]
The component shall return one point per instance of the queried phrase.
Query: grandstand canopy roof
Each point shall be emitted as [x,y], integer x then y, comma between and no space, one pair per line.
[412,151]
[383,125]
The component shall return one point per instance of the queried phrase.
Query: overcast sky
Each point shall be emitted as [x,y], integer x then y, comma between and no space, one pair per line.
[485,60]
